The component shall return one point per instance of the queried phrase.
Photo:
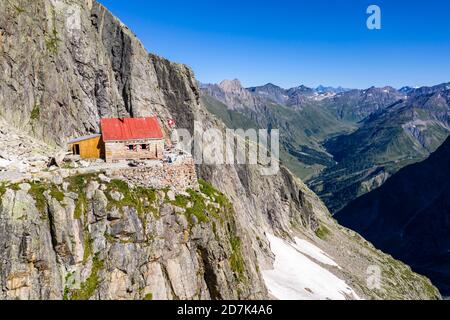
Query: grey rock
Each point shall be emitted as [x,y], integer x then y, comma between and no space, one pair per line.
[59,158]
[99,242]
[114,214]
[57,179]
[182,221]
[166,209]
[100,204]
[91,188]
[65,186]
[116,196]
[171,195]
[104,178]
[128,228]
[194,220]
[84,164]
[25,187]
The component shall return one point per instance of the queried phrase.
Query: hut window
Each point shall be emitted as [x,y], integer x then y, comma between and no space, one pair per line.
[145,146]
[132,147]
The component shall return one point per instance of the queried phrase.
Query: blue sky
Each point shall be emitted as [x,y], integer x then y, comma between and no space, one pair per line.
[289,42]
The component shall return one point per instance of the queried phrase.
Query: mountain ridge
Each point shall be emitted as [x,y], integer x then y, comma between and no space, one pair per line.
[401,134]
[302,128]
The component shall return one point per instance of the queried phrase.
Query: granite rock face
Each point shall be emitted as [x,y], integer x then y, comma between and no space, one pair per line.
[66,64]
[90,244]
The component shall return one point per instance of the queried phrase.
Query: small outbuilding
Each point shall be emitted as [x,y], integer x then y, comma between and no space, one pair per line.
[88,147]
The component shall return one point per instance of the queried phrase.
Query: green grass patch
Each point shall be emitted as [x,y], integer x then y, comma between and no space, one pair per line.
[80,207]
[87,246]
[56,193]
[77,184]
[37,191]
[69,277]
[88,287]
[181,201]
[2,189]
[207,189]
[322,232]
[198,207]
[123,188]
[148,296]
[142,199]
[205,204]
[225,206]
[35,113]
[237,260]
[52,40]
[14,187]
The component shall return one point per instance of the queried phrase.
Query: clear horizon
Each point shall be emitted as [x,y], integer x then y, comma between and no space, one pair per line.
[291,43]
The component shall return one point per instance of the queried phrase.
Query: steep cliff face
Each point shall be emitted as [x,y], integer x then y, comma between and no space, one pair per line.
[64,65]
[111,241]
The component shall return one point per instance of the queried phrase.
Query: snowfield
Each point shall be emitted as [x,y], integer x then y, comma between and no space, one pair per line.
[313,252]
[297,277]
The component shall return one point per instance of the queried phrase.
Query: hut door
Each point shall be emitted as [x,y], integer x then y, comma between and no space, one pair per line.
[76,149]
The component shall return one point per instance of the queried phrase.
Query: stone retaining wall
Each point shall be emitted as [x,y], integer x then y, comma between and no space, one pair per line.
[179,176]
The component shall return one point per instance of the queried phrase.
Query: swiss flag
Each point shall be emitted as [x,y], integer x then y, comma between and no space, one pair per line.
[172,123]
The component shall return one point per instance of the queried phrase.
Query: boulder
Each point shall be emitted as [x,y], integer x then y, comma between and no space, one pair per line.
[116,196]
[58,159]
[104,178]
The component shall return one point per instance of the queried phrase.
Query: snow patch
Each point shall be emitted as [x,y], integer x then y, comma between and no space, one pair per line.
[313,252]
[296,277]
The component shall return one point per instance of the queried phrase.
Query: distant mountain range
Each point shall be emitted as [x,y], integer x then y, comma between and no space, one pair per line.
[343,142]
[392,137]
[356,105]
[409,216]
[323,89]
[296,97]
[303,124]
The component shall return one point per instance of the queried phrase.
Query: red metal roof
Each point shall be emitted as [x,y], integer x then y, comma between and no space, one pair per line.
[131,129]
